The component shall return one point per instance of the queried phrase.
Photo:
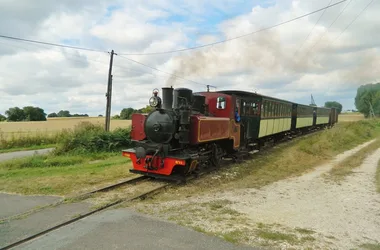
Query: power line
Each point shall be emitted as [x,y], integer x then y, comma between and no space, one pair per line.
[361,12]
[83,60]
[51,44]
[176,76]
[311,31]
[234,38]
[353,20]
[324,33]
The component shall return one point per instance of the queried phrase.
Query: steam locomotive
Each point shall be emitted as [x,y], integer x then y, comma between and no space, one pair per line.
[187,132]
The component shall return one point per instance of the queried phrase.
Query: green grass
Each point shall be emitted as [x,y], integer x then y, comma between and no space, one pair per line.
[84,157]
[304,231]
[370,246]
[235,236]
[277,236]
[61,175]
[345,168]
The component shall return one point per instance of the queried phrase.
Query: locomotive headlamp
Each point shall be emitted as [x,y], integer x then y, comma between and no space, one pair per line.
[153,101]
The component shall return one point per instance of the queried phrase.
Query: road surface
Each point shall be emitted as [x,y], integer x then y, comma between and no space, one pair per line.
[20,154]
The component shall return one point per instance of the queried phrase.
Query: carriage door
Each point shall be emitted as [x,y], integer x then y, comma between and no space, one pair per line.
[236,126]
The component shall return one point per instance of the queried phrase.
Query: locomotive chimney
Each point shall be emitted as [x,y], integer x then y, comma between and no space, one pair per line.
[167,96]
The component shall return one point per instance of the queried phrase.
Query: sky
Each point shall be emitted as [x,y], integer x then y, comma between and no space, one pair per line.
[328,54]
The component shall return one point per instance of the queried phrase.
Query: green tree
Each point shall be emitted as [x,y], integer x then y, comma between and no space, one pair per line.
[64,113]
[15,114]
[34,114]
[147,109]
[53,115]
[2,118]
[334,104]
[126,113]
[368,95]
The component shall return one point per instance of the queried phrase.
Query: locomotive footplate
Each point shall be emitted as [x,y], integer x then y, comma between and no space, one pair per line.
[156,163]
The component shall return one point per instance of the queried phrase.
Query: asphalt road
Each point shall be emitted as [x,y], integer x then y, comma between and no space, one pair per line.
[20,154]
[125,229]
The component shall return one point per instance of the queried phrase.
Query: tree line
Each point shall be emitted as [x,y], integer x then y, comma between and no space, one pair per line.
[30,113]
[66,113]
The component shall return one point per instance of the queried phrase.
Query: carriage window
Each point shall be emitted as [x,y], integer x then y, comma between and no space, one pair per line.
[221,103]
[255,108]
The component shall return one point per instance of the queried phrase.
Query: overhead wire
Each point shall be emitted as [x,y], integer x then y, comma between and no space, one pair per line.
[352,21]
[361,12]
[234,38]
[326,31]
[311,31]
[51,44]
[41,45]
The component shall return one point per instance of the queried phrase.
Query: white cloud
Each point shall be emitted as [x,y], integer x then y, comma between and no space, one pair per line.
[56,78]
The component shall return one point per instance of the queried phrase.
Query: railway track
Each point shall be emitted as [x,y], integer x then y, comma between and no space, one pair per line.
[84,196]
[78,197]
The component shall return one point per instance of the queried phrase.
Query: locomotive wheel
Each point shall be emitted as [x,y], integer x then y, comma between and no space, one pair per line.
[217,154]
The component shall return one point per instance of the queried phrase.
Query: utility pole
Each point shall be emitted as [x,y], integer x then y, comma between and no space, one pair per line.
[371,112]
[109,94]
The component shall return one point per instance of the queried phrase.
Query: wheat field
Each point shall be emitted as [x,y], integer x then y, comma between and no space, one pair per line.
[350,117]
[54,125]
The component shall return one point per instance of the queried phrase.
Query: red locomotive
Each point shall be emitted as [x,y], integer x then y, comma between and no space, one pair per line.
[184,133]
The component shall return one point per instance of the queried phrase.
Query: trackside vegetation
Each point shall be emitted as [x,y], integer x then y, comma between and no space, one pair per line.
[85,157]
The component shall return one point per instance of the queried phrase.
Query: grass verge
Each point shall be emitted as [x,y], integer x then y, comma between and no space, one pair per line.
[370,246]
[61,175]
[345,168]
[85,156]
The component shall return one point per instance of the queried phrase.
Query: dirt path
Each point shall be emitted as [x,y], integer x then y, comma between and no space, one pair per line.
[337,216]
[349,212]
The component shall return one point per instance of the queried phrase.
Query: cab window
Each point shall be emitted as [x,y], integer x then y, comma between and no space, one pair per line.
[221,103]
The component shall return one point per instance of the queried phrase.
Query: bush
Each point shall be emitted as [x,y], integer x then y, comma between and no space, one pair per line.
[90,138]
